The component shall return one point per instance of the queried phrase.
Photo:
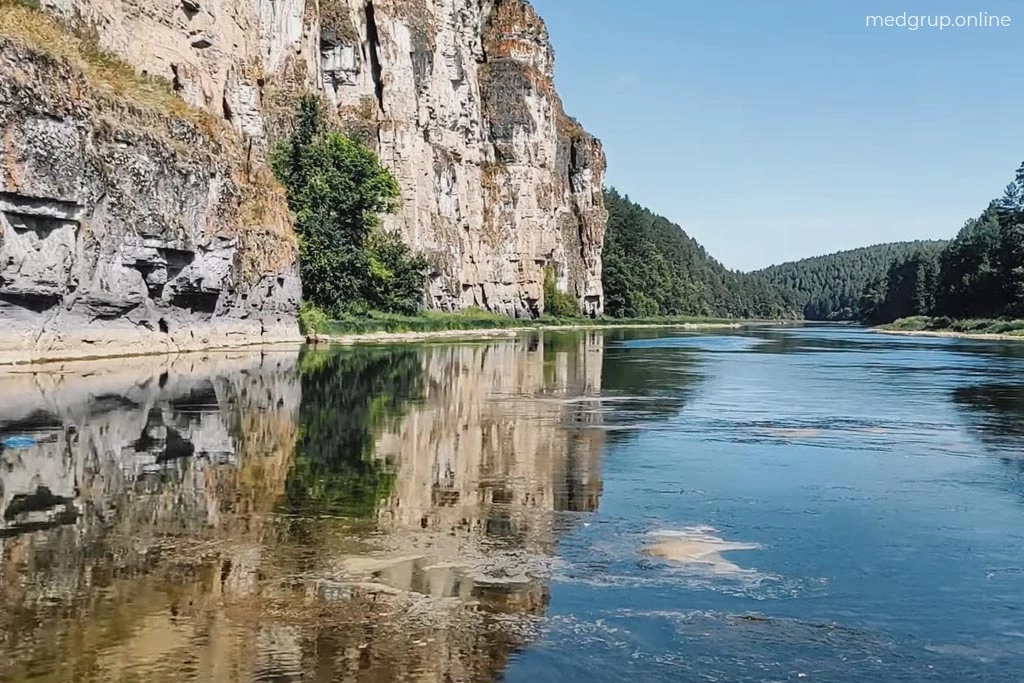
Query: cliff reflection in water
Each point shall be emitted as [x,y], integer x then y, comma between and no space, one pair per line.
[366,514]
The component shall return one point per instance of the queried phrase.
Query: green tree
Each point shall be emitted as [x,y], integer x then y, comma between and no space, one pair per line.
[652,267]
[396,274]
[980,274]
[833,287]
[558,304]
[337,190]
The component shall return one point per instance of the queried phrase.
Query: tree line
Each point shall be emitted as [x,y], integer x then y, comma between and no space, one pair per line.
[979,274]
[831,287]
[337,189]
[653,268]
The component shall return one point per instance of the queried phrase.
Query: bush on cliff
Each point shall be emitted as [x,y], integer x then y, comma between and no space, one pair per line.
[337,189]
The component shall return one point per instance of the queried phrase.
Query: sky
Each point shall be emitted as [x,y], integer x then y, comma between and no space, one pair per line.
[773,130]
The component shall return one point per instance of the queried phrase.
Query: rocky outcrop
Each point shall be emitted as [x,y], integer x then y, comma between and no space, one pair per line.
[129,222]
[498,183]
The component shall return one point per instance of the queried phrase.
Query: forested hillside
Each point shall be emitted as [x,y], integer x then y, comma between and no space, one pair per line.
[652,267]
[830,287]
[980,274]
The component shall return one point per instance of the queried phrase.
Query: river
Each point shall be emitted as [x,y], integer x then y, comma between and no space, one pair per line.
[812,503]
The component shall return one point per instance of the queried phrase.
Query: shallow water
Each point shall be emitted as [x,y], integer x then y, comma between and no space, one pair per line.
[815,503]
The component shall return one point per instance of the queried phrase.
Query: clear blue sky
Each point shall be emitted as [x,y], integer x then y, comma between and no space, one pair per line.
[778,129]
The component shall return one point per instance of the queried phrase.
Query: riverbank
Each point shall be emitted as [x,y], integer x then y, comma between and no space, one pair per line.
[472,323]
[314,323]
[511,331]
[952,334]
[983,329]
[379,329]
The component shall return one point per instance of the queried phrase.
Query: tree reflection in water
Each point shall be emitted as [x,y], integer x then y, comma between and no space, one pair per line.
[348,396]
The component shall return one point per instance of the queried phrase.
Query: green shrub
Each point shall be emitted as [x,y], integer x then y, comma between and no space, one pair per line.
[915,323]
[558,304]
[396,274]
[312,318]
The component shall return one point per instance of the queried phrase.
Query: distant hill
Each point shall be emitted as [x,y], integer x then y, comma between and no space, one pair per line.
[652,267]
[830,287]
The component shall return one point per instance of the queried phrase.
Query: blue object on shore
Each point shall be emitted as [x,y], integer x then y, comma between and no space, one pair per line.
[18,441]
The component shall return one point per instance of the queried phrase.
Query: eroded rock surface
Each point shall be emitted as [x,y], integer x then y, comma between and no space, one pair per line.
[457,96]
[124,229]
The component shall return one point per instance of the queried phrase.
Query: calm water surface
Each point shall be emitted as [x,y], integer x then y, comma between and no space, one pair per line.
[816,503]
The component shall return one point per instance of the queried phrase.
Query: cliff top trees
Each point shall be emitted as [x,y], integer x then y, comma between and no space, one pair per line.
[337,190]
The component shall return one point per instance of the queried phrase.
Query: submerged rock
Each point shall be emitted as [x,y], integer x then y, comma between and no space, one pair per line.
[697,548]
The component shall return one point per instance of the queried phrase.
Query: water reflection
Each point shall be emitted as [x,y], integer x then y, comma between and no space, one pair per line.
[648,376]
[369,514]
[995,415]
[995,411]
[348,397]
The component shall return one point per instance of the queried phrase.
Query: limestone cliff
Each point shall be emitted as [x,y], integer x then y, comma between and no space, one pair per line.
[128,221]
[498,182]
[456,96]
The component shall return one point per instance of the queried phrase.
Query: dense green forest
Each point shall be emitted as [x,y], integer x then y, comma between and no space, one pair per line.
[831,287]
[980,274]
[653,268]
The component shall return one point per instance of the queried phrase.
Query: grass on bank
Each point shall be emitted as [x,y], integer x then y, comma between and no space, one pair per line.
[314,321]
[922,323]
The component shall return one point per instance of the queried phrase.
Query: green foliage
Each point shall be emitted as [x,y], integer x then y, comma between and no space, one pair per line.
[834,287]
[396,274]
[908,290]
[476,319]
[969,326]
[558,304]
[653,268]
[915,323]
[337,190]
[312,318]
[348,396]
[979,275]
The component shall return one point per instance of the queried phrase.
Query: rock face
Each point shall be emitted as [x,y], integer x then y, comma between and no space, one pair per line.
[127,227]
[499,184]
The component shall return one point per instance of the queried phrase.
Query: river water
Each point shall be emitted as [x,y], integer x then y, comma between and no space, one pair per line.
[782,504]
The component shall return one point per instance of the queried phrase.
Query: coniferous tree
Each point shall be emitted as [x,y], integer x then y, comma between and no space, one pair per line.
[653,268]
[833,287]
[980,274]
